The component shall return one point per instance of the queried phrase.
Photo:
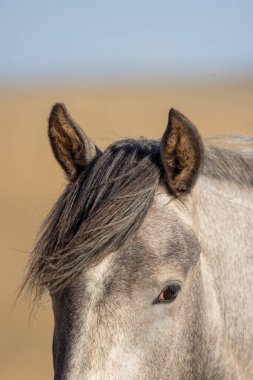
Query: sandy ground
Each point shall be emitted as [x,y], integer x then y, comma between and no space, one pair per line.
[31,181]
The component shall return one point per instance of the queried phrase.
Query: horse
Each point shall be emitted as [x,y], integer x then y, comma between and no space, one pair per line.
[147,256]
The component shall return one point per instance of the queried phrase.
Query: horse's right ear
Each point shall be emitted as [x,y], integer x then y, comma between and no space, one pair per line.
[72,148]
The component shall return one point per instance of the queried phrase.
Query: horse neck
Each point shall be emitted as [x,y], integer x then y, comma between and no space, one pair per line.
[223,219]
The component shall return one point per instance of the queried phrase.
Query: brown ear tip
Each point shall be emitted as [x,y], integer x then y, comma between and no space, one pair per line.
[175,114]
[57,108]
[172,111]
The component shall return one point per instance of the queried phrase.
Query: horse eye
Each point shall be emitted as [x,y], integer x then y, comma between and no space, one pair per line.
[169,294]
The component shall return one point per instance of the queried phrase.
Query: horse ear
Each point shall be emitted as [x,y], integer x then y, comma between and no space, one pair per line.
[181,153]
[72,148]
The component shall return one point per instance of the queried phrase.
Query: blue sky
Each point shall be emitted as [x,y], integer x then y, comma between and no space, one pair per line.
[55,39]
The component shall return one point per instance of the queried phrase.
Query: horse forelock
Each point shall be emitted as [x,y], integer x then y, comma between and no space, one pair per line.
[95,214]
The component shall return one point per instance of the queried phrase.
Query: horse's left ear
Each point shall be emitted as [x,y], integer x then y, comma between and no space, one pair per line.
[181,153]
[72,148]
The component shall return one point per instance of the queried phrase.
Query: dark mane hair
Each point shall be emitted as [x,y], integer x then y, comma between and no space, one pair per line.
[95,214]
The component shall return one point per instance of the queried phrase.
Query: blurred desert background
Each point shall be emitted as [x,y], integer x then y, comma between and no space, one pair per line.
[119,67]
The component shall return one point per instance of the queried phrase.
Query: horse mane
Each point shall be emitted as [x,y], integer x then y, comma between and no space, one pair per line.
[107,204]
[230,157]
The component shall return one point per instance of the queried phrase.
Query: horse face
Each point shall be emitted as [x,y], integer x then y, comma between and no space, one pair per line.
[137,314]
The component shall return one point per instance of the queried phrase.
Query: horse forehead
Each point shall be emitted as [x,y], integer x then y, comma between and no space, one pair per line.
[166,232]
[167,219]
